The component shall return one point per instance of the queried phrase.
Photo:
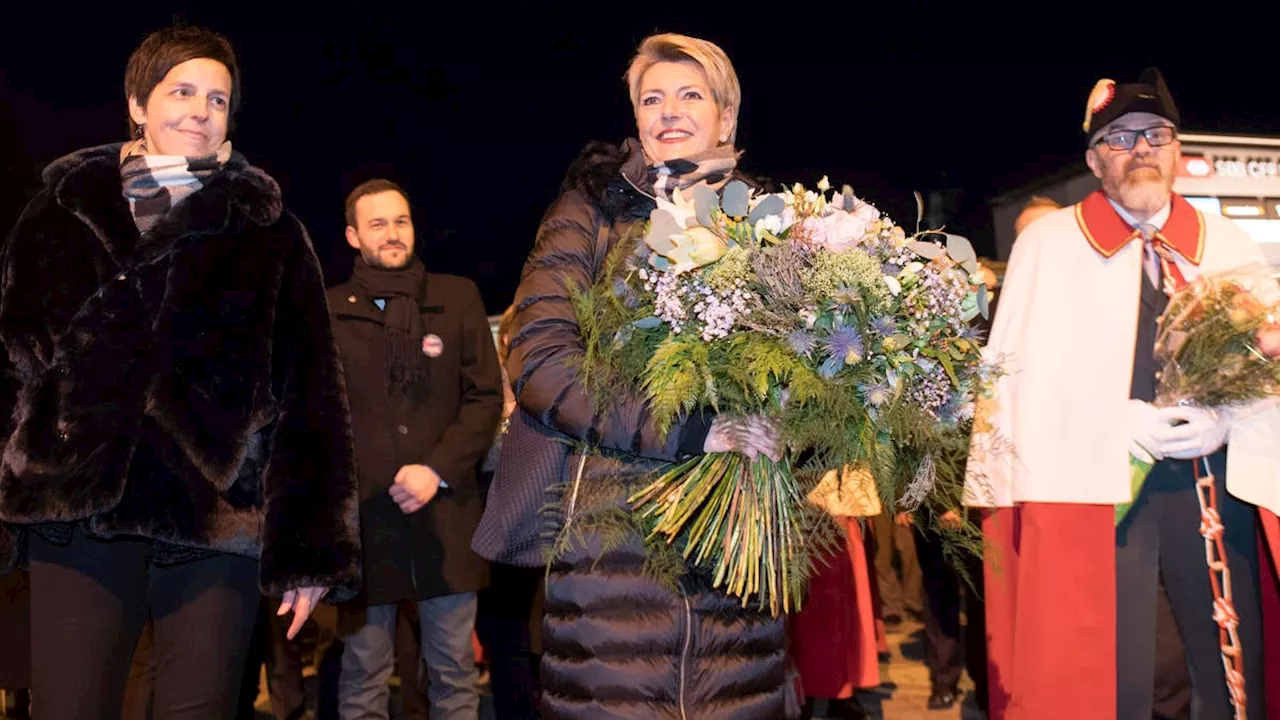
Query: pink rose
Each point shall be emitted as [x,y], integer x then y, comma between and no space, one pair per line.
[867,212]
[840,231]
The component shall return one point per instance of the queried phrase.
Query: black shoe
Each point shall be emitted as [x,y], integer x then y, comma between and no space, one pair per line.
[847,710]
[943,699]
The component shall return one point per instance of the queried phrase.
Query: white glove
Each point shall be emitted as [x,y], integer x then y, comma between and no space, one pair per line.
[1194,432]
[1145,431]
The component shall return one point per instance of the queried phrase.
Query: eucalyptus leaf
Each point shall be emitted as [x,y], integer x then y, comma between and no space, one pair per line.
[704,203]
[768,205]
[736,195]
[830,367]
[648,323]
[959,248]
[926,249]
[970,265]
[659,262]
[984,302]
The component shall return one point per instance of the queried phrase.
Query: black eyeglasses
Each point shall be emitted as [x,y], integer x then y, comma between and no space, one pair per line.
[1127,139]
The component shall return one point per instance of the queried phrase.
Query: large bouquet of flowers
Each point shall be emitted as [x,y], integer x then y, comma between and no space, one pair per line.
[809,307]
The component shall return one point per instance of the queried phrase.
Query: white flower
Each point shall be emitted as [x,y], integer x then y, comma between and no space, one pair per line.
[788,217]
[895,287]
[682,210]
[768,223]
[810,317]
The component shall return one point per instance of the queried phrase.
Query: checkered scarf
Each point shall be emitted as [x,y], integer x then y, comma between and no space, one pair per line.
[155,184]
[712,168]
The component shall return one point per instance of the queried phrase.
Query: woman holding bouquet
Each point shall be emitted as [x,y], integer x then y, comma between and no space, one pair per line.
[617,642]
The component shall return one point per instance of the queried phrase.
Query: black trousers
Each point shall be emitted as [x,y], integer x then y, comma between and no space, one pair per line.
[285,660]
[90,599]
[503,616]
[941,613]
[1164,602]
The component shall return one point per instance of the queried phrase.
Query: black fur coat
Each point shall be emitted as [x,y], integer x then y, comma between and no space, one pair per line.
[183,387]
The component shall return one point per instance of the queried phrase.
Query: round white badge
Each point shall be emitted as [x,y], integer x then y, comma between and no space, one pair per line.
[432,346]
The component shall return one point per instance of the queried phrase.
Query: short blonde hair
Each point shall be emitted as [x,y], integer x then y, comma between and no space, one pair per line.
[670,47]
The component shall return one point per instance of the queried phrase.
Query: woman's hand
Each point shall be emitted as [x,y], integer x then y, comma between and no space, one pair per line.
[301,601]
[752,435]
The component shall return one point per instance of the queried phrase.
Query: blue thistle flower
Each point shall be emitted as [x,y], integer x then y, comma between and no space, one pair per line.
[845,344]
[884,326]
[802,342]
[877,394]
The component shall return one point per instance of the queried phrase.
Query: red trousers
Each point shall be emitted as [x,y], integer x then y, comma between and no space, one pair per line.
[833,639]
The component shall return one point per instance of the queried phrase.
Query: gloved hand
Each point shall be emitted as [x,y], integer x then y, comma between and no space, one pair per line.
[1146,430]
[1194,432]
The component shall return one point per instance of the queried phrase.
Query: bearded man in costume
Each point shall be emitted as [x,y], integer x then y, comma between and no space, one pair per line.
[1087,618]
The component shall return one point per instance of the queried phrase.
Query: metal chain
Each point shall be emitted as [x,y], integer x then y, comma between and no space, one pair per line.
[1224,611]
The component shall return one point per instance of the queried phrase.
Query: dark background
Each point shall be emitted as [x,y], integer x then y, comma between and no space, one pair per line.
[477,110]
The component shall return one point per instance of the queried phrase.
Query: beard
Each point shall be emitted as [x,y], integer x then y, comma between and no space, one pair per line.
[378,259]
[1142,190]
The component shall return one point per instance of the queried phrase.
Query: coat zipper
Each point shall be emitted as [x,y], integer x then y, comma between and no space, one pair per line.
[684,654]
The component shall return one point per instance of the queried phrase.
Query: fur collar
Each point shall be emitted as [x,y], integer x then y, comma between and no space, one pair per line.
[87,184]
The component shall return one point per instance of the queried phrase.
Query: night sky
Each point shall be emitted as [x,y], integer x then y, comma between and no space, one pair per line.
[478,111]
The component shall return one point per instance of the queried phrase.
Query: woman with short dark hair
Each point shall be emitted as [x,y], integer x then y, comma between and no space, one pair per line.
[176,434]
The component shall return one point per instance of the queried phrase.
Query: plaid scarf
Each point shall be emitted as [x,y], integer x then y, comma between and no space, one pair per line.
[155,184]
[712,168]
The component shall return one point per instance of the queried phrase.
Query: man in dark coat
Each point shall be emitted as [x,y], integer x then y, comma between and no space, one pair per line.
[426,395]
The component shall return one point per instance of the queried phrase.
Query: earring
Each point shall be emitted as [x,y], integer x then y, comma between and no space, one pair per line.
[138,131]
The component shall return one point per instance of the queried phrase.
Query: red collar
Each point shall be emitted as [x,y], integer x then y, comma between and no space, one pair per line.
[1107,232]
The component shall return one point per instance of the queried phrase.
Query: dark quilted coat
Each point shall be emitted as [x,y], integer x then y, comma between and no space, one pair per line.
[618,644]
